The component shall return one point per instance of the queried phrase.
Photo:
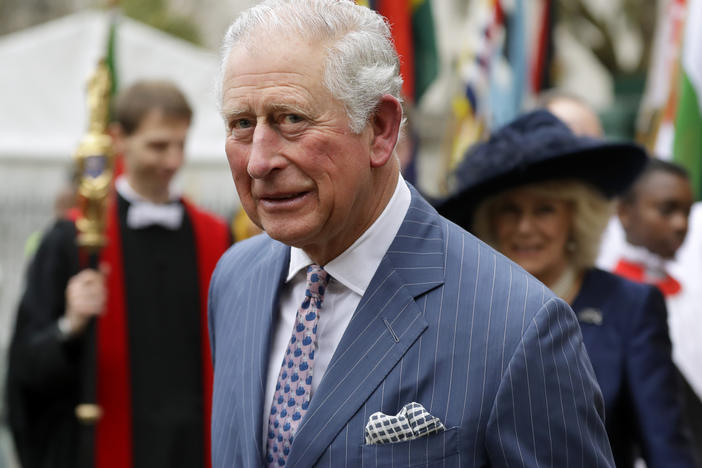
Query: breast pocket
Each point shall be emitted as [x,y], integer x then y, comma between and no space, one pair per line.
[439,449]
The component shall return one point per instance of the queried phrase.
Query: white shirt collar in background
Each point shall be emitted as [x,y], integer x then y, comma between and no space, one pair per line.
[143,213]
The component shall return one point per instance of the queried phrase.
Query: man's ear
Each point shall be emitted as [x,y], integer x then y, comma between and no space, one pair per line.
[385,124]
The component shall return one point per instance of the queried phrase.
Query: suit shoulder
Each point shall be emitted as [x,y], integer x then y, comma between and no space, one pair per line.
[245,255]
[491,266]
[494,286]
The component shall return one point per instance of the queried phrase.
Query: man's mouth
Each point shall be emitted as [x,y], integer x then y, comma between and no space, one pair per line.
[283,200]
[282,196]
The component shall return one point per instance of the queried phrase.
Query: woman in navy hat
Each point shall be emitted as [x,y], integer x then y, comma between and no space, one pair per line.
[540,195]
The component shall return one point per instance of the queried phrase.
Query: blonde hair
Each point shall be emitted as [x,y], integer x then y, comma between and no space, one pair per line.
[591,212]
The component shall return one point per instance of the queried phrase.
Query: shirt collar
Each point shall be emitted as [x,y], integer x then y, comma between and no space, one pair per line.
[355,266]
[654,264]
[128,193]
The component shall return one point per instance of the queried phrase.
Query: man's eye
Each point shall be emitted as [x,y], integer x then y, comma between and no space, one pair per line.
[667,209]
[241,123]
[159,146]
[292,119]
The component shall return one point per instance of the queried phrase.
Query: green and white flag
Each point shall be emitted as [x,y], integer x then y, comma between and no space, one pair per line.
[687,143]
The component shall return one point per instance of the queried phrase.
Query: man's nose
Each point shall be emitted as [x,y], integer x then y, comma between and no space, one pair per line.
[264,156]
[174,157]
[679,222]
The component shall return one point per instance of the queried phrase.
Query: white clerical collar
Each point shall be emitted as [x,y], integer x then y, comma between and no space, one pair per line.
[143,213]
[355,266]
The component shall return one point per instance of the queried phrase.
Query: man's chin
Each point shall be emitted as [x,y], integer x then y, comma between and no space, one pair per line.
[292,237]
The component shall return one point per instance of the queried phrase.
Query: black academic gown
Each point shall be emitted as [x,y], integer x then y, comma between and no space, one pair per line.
[164,344]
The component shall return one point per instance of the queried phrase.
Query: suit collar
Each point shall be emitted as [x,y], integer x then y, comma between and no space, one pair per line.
[385,324]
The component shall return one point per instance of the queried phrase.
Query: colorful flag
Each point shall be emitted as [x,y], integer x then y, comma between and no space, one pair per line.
[426,58]
[483,35]
[542,49]
[687,142]
[412,26]
[509,82]
[656,119]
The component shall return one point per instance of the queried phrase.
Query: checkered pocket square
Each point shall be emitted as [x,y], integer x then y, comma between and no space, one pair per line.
[412,422]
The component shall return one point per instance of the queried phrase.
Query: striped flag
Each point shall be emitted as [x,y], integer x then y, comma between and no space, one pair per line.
[687,142]
[412,27]
[542,45]
[656,119]
[483,36]
[426,57]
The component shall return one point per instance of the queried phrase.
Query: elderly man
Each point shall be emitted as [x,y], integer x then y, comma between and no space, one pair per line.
[362,328]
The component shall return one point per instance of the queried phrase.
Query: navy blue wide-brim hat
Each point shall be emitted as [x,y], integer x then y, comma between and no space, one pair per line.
[536,147]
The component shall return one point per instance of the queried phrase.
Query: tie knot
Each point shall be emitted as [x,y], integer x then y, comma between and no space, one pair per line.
[317,280]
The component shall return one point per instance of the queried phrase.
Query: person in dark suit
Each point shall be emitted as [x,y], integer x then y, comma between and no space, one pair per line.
[154,373]
[539,194]
[362,328]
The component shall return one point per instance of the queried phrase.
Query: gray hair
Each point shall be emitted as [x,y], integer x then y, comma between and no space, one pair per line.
[361,64]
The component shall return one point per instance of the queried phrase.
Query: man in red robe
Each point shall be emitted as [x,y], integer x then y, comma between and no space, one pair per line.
[154,374]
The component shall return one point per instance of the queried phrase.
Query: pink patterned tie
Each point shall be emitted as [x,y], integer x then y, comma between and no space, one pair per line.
[294,386]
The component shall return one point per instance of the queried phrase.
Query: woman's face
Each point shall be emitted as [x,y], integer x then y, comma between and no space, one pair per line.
[533,230]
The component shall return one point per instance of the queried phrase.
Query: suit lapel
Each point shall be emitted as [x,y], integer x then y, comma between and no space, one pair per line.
[384,326]
[263,307]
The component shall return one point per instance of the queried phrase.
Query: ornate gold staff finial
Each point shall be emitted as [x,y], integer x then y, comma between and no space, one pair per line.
[94,163]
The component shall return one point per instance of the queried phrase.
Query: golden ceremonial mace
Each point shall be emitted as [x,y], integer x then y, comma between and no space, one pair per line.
[93,159]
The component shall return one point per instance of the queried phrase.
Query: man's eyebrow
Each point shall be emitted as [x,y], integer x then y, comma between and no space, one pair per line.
[276,108]
[228,114]
[290,108]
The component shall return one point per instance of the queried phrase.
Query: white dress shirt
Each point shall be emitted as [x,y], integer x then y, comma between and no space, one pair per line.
[351,273]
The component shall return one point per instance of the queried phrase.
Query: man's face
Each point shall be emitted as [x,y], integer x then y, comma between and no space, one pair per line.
[657,217]
[300,172]
[153,153]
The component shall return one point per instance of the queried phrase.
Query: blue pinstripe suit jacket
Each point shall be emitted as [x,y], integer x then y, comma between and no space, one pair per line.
[472,337]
